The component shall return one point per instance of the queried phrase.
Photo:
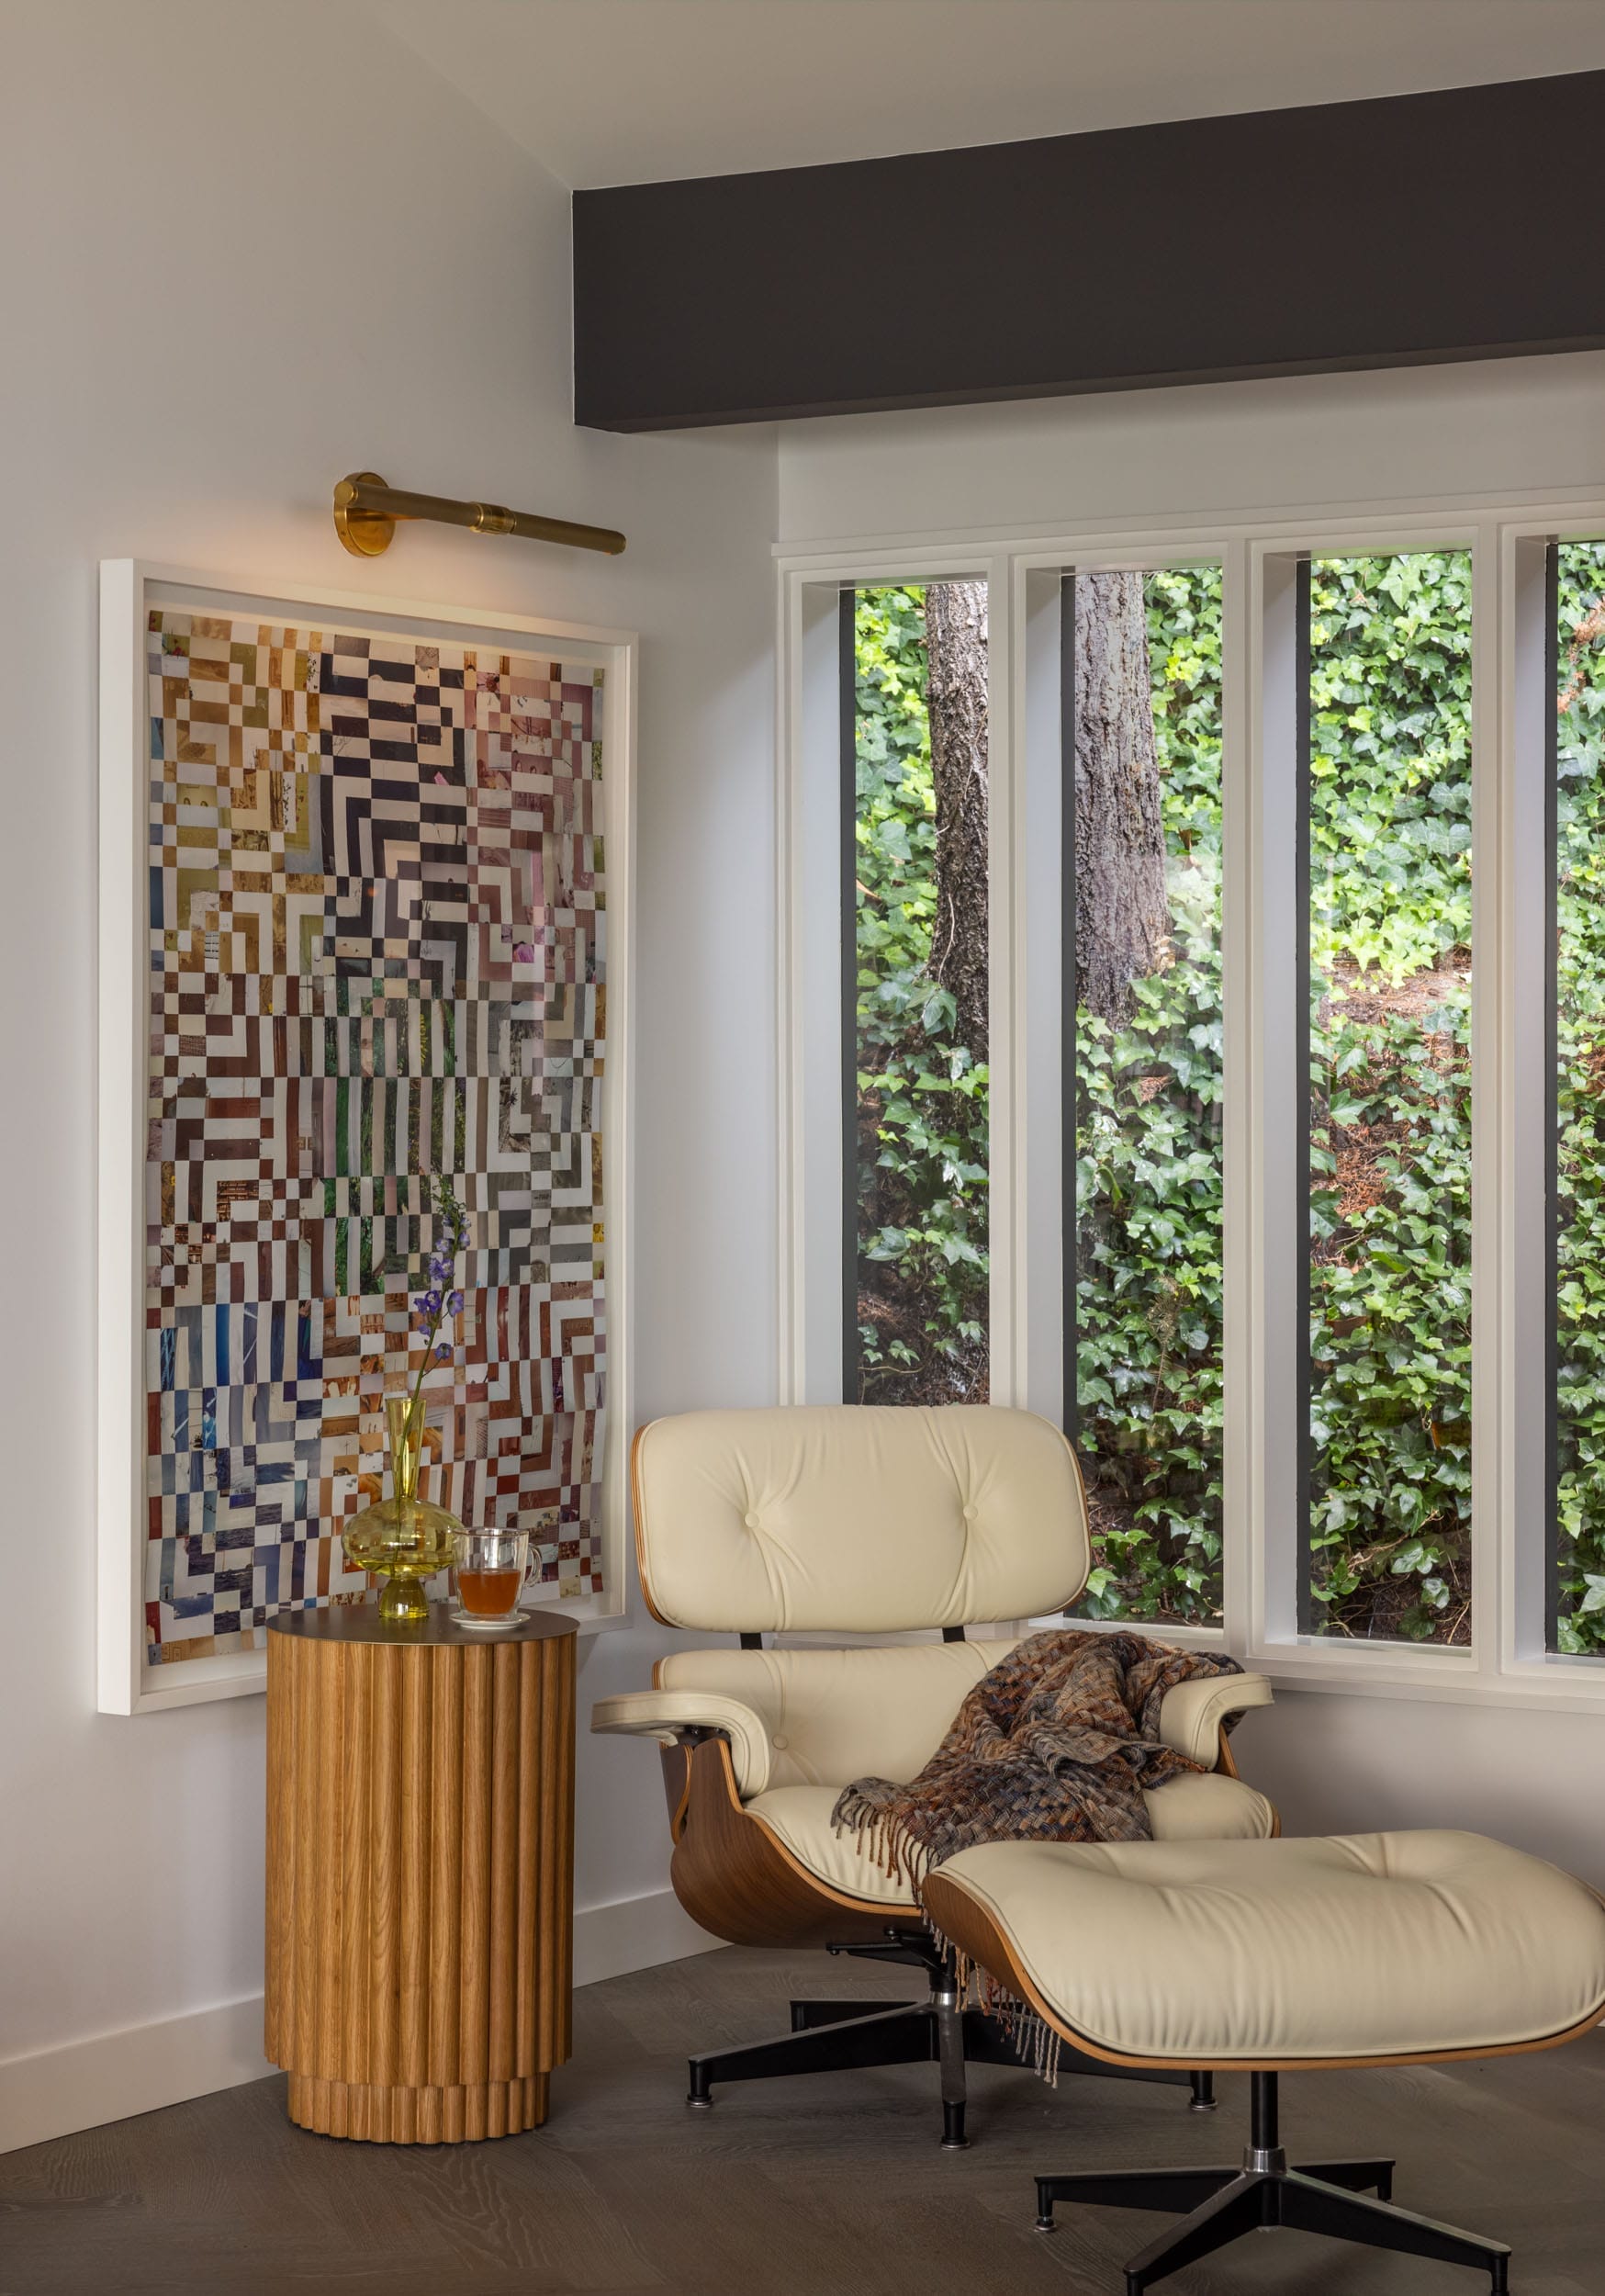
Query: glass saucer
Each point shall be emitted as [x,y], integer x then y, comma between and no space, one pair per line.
[487,1626]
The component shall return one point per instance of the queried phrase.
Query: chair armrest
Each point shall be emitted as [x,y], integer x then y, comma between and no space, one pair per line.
[1190,1716]
[665,1714]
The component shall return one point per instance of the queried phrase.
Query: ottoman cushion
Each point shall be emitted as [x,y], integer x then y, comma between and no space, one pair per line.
[1276,1953]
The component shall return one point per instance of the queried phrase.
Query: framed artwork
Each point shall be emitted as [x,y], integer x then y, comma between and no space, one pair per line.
[365,885]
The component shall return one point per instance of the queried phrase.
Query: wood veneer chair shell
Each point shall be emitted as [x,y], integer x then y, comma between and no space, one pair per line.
[736,1878]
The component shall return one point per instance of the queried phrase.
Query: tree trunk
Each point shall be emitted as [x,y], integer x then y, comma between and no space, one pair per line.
[956,701]
[1122,909]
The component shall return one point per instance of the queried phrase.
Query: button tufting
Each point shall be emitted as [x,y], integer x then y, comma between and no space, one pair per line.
[779,1741]
[750,1519]
[971,1510]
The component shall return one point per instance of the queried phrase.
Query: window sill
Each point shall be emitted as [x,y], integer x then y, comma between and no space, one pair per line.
[1561,1685]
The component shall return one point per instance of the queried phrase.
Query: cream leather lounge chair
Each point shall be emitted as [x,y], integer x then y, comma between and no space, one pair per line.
[854,1520]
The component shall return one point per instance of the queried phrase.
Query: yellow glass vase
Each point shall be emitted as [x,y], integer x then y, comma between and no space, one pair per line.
[404,1539]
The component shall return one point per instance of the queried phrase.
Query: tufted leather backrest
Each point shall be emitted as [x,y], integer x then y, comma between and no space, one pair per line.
[850,1518]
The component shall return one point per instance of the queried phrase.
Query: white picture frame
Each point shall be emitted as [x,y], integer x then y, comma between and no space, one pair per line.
[126,1681]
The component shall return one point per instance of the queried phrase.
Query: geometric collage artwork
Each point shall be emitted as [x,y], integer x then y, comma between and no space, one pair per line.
[377,959]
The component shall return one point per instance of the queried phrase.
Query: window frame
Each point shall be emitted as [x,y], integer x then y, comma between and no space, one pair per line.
[1507,538]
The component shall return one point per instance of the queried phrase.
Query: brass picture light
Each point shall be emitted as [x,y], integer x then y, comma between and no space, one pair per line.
[367,510]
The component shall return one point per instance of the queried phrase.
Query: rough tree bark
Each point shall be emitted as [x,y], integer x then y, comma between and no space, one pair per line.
[1122,910]
[956,701]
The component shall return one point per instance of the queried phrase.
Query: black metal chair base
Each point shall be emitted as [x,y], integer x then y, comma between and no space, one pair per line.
[1224,2204]
[851,2036]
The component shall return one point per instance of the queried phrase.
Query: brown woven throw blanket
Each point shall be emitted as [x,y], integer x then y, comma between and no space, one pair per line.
[1054,1744]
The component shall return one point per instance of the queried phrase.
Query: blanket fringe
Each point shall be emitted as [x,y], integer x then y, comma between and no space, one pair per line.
[893,1851]
[886,1842]
[1033,2040]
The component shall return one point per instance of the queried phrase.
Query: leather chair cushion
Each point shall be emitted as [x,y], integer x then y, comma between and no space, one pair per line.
[1184,1809]
[832,1716]
[1248,1953]
[870,1520]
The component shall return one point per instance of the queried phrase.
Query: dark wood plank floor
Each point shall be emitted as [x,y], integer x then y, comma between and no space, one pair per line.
[823,2187]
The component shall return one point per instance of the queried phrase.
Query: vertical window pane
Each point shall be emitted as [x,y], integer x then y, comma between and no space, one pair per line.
[1389,1167]
[917,1191]
[1579,1050]
[1144,1322]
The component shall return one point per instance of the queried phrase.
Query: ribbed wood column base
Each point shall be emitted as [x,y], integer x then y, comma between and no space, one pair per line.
[417,2116]
[420,1873]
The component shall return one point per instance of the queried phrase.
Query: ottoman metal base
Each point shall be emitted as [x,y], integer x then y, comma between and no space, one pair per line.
[1226,2202]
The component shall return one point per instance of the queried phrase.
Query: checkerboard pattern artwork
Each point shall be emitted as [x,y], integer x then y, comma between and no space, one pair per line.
[376,952]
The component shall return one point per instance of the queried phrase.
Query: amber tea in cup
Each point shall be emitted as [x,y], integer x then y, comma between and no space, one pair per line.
[490,1571]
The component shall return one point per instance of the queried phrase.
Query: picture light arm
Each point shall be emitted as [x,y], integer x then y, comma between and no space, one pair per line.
[366,512]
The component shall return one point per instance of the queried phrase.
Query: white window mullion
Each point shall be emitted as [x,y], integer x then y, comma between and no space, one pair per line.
[1042,1262]
[810,1114]
[1265,1105]
[1006,830]
[1242,1245]
[1517,1546]
[1494,1015]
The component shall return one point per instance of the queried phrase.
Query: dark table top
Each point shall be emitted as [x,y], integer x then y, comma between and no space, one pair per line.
[360,1622]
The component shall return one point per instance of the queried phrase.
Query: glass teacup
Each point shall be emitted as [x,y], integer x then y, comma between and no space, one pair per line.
[491,1569]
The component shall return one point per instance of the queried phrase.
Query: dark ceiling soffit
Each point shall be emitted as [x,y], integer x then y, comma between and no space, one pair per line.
[1404,232]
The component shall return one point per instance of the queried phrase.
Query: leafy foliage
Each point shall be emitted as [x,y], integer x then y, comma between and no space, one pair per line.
[1390,1096]
[1580,1058]
[1391,849]
[922,1177]
[1148,1296]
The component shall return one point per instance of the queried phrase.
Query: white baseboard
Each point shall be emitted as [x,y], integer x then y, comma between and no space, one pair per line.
[110,2076]
[635,1933]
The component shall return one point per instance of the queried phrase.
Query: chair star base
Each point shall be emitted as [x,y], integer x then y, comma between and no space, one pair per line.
[851,2036]
[1224,2204]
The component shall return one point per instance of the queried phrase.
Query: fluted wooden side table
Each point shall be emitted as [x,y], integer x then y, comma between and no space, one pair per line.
[419,1872]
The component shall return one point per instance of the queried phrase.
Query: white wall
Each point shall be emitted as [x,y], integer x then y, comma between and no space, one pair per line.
[1336,1764]
[1521,427]
[245,251]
